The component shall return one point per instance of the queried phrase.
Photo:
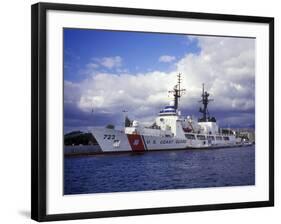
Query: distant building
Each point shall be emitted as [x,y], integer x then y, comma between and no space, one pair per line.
[247,134]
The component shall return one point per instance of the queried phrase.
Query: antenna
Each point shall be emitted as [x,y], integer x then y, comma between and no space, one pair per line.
[177,91]
[205,101]
[92,115]
[125,115]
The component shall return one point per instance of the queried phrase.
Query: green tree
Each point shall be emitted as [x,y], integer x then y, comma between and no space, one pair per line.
[110,126]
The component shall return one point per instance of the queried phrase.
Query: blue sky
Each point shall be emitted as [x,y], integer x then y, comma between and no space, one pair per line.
[141,51]
[106,72]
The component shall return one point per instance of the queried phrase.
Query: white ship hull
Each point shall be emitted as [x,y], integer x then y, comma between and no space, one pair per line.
[111,140]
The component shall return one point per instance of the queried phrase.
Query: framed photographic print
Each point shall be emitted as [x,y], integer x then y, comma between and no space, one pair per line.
[139,111]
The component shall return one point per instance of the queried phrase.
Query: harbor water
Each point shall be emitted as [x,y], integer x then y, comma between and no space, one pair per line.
[159,170]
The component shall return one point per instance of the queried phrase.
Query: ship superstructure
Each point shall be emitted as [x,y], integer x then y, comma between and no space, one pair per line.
[170,130]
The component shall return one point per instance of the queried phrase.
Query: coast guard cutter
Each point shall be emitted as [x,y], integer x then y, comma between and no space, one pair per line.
[170,130]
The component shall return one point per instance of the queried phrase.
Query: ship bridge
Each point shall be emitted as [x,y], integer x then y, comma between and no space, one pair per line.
[168,111]
[177,92]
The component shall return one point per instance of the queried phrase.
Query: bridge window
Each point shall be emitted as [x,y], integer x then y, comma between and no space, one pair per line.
[201,137]
[218,138]
[209,137]
[190,136]
[226,138]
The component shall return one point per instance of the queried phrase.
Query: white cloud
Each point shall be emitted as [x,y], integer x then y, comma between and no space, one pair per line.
[72,92]
[106,91]
[110,62]
[225,65]
[167,58]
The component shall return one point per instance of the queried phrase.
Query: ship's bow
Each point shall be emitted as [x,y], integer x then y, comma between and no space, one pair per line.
[111,140]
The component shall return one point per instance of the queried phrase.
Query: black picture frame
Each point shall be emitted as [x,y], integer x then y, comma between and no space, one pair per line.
[39,122]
